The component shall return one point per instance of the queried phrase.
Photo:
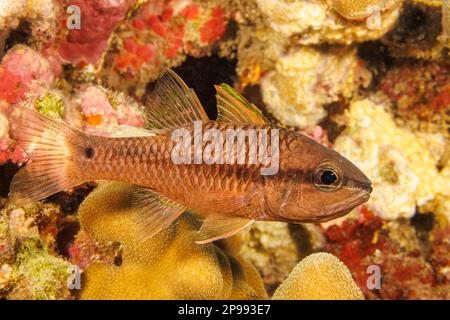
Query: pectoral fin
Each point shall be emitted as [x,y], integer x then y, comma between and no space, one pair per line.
[155,212]
[218,226]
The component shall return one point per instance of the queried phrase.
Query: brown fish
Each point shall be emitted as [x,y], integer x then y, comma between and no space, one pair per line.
[231,172]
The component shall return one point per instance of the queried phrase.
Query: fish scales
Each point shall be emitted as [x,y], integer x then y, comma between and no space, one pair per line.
[147,161]
[285,177]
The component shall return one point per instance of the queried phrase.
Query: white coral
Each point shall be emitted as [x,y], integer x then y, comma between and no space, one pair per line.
[316,22]
[305,80]
[401,164]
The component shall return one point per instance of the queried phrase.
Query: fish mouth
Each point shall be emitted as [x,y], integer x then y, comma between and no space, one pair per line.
[350,203]
[365,185]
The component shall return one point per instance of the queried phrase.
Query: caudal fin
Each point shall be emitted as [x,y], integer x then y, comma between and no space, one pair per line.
[52,147]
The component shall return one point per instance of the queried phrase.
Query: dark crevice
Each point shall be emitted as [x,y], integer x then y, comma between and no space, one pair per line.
[201,74]
[20,35]
[7,172]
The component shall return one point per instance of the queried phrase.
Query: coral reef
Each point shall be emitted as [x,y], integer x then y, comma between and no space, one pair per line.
[420,94]
[99,19]
[367,78]
[276,248]
[412,255]
[313,22]
[30,267]
[319,276]
[161,34]
[401,164]
[357,10]
[307,79]
[42,15]
[419,31]
[271,250]
[149,269]
[24,73]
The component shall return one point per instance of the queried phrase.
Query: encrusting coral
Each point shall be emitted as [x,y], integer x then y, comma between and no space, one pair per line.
[427,108]
[313,22]
[412,254]
[160,34]
[319,276]
[167,266]
[401,164]
[29,266]
[304,80]
[270,248]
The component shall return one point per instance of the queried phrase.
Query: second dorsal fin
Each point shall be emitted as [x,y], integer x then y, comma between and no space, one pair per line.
[172,104]
[233,107]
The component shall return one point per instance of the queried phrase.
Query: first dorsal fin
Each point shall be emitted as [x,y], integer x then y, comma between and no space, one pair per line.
[172,104]
[219,226]
[233,107]
[155,212]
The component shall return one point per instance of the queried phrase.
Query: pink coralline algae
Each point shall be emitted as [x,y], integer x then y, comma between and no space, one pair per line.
[84,250]
[8,151]
[23,73]
[103,111]
[23,70]
[99,18]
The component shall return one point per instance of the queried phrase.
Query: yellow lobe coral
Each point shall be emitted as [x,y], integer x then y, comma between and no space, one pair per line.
[320,276]
[168,266]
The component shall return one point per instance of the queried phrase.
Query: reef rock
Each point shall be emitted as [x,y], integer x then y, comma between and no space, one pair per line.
[304,80]
[401,164]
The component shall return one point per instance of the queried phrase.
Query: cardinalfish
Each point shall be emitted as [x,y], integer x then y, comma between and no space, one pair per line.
[231,172]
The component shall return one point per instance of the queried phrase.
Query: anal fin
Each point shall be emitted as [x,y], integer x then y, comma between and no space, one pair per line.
[155,211]
[219,226]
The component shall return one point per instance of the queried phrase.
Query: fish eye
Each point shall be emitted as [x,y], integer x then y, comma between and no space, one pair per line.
[327,178]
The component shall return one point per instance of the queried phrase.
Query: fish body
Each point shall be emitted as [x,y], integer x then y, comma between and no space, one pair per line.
[231,172]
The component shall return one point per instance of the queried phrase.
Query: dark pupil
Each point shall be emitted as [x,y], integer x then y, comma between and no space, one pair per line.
[89,152]
[328,177]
